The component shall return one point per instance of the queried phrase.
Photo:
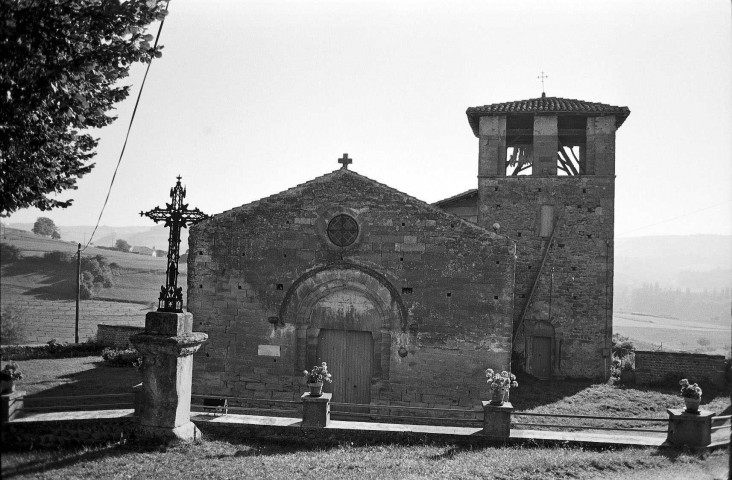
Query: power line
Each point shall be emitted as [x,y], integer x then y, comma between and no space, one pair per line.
[129,128]
[673,218]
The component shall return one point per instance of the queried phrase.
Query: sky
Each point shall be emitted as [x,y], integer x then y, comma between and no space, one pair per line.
[253,97]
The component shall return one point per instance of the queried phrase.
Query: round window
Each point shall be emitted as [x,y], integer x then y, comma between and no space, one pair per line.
[342,230]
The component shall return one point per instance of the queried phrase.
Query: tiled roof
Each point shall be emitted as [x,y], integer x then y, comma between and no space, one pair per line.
[547,105]
[459,196]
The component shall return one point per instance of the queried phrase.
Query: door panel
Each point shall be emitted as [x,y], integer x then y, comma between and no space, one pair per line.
[349,355]
[541,358]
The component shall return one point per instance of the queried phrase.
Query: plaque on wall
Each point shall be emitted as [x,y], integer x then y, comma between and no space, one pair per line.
[268,350]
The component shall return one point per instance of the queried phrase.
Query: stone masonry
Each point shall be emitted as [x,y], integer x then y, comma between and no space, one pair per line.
[563,225]
[433,292]
[657,367]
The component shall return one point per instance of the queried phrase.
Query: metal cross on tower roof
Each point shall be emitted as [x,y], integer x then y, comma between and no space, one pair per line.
[345,161]
[542,77]
[176,216]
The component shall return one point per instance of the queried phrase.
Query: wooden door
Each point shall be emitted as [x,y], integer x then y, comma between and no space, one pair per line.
[349,355]
[541,357]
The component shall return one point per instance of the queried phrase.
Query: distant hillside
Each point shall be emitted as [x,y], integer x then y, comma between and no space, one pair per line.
[696,262]
[137,278]
[155,236]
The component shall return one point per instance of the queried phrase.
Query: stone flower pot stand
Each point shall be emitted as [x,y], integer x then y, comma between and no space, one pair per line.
[316,410]
[163,408]
[691,429]
[497,420]
[11,405]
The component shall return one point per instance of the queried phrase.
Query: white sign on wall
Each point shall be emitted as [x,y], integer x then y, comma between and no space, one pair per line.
[268,350]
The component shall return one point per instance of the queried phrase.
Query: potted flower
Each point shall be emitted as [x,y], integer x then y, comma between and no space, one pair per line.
[499,384]
[692,395]
[316,377]
[8,375]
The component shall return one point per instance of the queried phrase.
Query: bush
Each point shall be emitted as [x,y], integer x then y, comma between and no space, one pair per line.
[52,349]
[122,245]
[11,326]
[59,257]
[622,346]
[87,285]
[9,253]
[122,357]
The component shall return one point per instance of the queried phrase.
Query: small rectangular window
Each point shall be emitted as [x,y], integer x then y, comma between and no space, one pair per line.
[547,220]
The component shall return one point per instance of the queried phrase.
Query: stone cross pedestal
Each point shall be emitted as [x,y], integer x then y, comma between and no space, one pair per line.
[316,410]
[690,429]
[167,347]
[497,420]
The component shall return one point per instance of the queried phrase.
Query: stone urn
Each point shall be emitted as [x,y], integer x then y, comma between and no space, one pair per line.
[498,396]
[316,389]
[7,386]
[692,404]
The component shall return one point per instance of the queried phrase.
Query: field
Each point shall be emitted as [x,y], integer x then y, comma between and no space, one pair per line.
[40,295]
[139,276]
[237,458]
[671,334]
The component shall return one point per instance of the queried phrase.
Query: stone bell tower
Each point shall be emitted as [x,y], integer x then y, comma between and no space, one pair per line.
[546,176]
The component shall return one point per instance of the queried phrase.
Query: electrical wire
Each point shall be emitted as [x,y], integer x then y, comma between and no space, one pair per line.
[672,218]
[129,129]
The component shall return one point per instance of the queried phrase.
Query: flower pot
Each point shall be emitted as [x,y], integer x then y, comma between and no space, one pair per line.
[7,386]
[316,389]
[692,404]
[498,396]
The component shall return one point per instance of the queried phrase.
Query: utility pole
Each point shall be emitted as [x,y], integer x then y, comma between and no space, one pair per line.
[78,291]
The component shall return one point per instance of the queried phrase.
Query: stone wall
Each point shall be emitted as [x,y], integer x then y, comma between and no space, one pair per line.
[435,292]
[581,259]
[43,320]
[658,367]
[117,335]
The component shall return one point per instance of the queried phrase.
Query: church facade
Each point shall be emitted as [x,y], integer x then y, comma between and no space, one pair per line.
[409,303]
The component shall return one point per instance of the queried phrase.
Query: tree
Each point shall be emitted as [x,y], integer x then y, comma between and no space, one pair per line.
[60,66]
[122,245]
[55,235]
[45,226]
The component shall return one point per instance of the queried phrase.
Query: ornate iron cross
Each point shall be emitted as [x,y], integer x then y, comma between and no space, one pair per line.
[176,216]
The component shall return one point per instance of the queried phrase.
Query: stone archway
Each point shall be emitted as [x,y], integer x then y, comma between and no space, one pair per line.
[327,303]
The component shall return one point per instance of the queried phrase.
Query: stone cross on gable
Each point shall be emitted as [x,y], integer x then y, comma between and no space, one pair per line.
[345,161]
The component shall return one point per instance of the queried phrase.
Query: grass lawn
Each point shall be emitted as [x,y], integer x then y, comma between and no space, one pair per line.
[267,460]
[88,375]
[272,460]
[584,398]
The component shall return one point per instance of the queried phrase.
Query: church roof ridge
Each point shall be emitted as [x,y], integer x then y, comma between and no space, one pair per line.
[468,193]
[545,104]
[344,171]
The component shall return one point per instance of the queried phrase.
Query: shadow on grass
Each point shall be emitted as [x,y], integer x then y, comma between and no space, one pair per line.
[533,392]
[58,282]
[100,380]
[27,464]
[248,447]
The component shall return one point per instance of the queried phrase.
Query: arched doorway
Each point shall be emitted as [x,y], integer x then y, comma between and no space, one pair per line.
[345,315]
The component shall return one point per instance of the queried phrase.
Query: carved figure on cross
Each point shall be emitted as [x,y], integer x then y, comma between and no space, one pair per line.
[176,215]
[345,161]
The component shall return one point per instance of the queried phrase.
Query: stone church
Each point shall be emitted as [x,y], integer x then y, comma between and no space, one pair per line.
[409,302]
